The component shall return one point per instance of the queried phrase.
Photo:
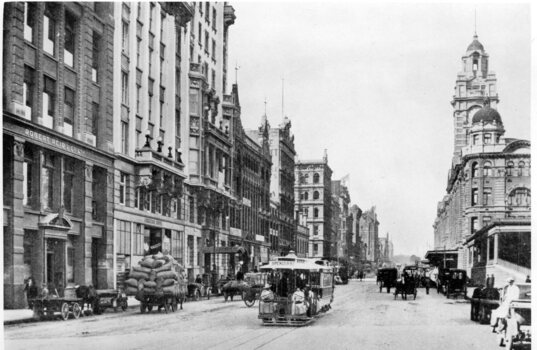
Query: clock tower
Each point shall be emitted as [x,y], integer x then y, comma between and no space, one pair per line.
[474,84]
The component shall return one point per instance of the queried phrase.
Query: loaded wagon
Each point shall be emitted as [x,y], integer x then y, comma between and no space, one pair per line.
[387,278]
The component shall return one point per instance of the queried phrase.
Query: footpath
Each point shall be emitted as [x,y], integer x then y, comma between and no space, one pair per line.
[17,316]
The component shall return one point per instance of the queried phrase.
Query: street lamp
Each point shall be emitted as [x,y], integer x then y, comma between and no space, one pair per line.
[147,136]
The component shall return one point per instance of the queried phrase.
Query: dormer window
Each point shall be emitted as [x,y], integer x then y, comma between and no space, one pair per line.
[487,138]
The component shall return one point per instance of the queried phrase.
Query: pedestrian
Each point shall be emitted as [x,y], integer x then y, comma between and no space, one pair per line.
[510,293]
[198,279]
[31,291]
[528,279]
[240,275]
[266,300]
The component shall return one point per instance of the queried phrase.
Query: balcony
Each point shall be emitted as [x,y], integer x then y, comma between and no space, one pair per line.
[229,15]
[182,11]
[147,156]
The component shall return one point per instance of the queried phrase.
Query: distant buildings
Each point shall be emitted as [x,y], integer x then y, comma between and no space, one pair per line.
[369,231]
[484,219]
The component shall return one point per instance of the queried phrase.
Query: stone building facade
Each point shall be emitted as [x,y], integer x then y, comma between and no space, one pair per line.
[57,146]
[488,188]
[369,231]
[313,195]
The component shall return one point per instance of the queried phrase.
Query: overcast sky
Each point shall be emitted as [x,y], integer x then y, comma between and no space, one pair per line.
[372,84]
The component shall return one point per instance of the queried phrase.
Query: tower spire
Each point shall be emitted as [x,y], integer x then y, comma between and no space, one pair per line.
[265,105]
[475,22]
[283,112]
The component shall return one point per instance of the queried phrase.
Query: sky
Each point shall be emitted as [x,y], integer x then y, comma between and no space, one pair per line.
[372,84]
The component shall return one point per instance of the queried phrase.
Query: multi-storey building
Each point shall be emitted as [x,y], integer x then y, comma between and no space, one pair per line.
[369,231]
[386,250]
[485,215]
[301,244]
[344,233]
[356,252]
[251,211]
[150,209]
[314,200]
[282,194]
[57,146]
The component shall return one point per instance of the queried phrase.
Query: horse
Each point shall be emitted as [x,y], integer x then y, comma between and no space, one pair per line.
[89,297]
[234,287]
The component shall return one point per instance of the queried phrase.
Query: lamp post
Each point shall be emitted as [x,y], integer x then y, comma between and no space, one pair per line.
[159,144]
[147,136]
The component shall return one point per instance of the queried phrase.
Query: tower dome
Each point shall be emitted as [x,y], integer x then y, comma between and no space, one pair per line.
[475,45]
[487,115]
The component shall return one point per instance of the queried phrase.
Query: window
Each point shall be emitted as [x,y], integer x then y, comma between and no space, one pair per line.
[306,196]
[122,187]
[475,139]
[316,212]
[190,250]
[194,101]
[199,34]
[486,220]
[315,230]
[123,237]
[519,197]
[509,168]
[28,172]
[28,91]
[205,70]
[69,111]
[177,242]
[521,166]
[151,14]
[139,12]
[94,118]
[475,193]
[68,176]
[125,37]
[29,21]
[475,169]
[474,64]
[69,46]
[49,101]
[138,241]
[487,138]
[315,249]
[213,78]
[124,137]
[125,88]
[315,194]
[214,50]
[207,42]
[214,18]
[138,44]
[138,93]
[207,11]
[316,178]
[47,182]
[95,57]
[191,209]
[473,225]
[49,33]
[487,169]
[487,196]
[306,212]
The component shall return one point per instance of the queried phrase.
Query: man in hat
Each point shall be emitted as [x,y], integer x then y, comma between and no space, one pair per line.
[510,292]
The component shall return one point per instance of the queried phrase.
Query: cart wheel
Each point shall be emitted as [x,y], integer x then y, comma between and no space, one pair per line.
[124,305]
[142,308]
[65,311]
[76,310]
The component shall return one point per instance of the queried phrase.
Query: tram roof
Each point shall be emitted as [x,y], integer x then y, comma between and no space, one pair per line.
[292,262]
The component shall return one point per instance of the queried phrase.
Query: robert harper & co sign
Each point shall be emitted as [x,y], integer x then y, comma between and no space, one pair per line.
[52,141]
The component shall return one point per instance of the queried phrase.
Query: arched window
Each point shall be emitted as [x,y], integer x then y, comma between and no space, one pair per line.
[509,168]
[316,178]
[521,166]
[316,212]
[519,197]
[306,196]
[487,169]
[316,195]
[475,170]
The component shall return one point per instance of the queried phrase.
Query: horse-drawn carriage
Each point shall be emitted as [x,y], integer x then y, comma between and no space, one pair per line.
[70,301]
[406,285]
[452,282]
[386,278]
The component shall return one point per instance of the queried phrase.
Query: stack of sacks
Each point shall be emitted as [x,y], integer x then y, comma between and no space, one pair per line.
[156,274]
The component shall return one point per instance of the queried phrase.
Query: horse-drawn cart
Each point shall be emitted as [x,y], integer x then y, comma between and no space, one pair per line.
[110,298]
[57,307]
[167,301]
[256,281]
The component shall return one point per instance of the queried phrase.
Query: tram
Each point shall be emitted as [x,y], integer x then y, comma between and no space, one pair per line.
[297,290]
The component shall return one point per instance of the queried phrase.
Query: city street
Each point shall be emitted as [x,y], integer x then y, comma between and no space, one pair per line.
[361,317]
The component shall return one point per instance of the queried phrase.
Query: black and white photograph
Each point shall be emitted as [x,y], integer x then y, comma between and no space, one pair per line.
[267,175]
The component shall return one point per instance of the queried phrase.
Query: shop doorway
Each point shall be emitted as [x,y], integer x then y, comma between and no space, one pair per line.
[55,266]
